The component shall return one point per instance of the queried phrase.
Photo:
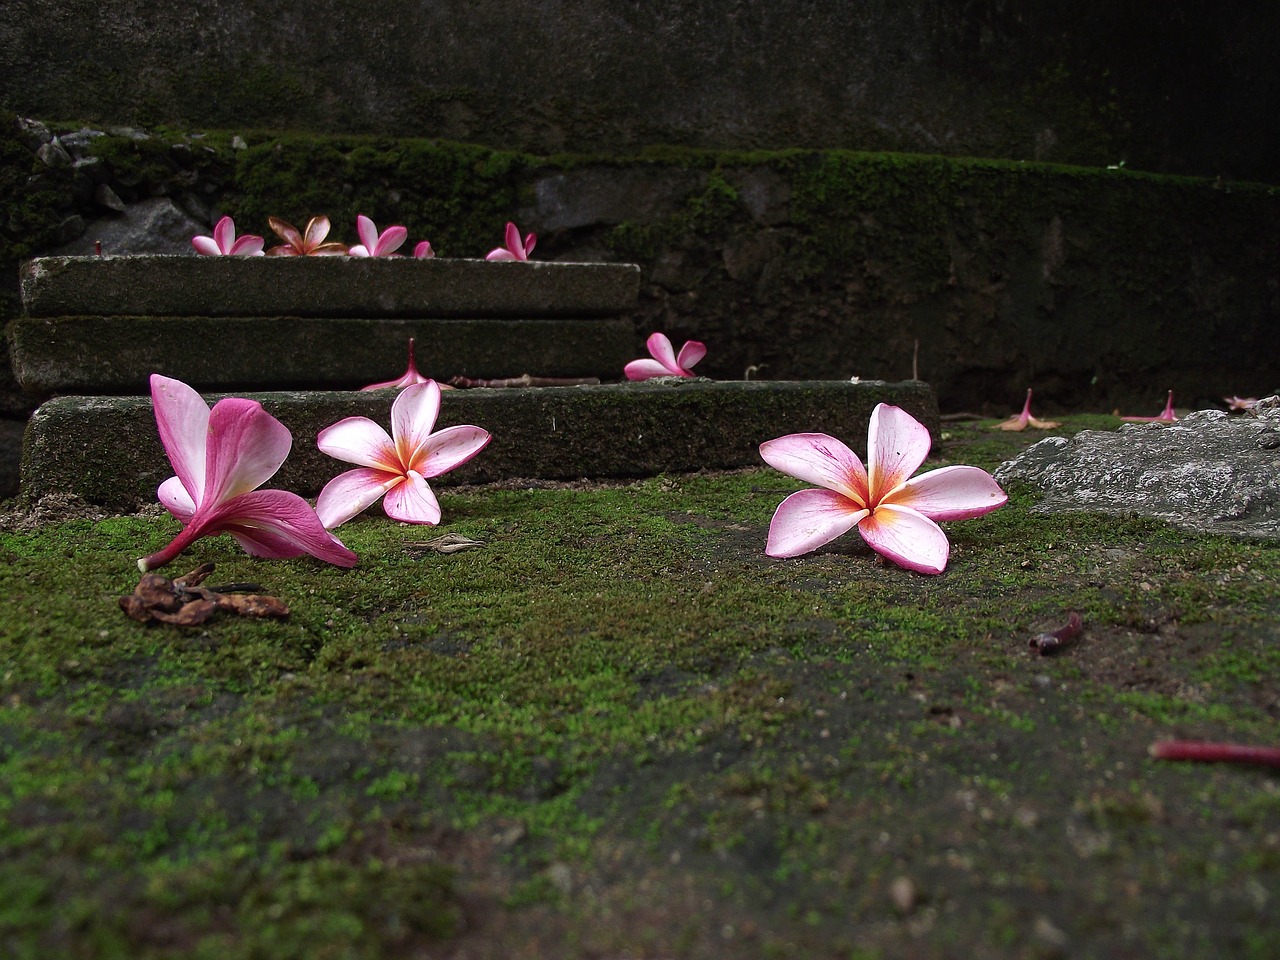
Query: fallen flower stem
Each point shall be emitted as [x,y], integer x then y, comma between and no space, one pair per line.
[1205,752]
[1048,643]
[524,380]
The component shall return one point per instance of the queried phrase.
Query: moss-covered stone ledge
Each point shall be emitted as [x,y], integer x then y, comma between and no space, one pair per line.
[106,449]
[117,354]
[324,287]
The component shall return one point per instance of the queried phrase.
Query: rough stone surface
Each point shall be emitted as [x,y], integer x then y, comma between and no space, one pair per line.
[1207,472]
[323,287]
[106,450]
[10,455]
[109,355]
[153,226]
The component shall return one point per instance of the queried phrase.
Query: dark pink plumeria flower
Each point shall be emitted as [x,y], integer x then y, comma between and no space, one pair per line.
[224,243]
[664,362]
[1166,417]
[516,249]
[895,515]
[423,250]
[406,379]
[374,244]
[220,458]
[396,465]
[311,243]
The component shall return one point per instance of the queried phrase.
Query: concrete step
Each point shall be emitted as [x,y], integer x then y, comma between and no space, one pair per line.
[117,354]
[106,449]
[323,287]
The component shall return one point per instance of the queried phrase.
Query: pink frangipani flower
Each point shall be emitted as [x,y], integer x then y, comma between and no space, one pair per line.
[224,243]
[220,457]
[309,244]
[516,249]
[1024,419]
[895,515]
[374,244]
[398,465]
[406,379]
[1167,416]
[423,250]
[665,363]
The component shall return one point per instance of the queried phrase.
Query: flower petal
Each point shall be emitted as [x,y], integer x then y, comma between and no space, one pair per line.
[182,418]
[950,493]
[413,414]
[907,538]
[390,241]
[246,446]
[449,448]
[500,253]
[512,238]
[176,500]
[412,501]
[645,369]
[660,349]
[809,518]
[287,232]
[351,493]
[317,230]
[206,246]
[367,231]
[897,444]
[359,250]
[690,353]
[423,250]
[247,246]
[360,441]
[818,458]
[279,524]
[224,234]
[530,241]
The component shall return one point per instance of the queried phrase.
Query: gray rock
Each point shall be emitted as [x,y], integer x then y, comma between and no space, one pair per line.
[608,195]
[1208,472]
[54,155]
[154,226]
[32,133]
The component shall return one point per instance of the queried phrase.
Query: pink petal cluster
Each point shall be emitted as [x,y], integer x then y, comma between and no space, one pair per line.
[515,249]
[406,379]
[895,515]
[223,243]
[310,244]
[1166,416]
[665,363]
[220,458]
[374,244]
[397,466]
[1024,419]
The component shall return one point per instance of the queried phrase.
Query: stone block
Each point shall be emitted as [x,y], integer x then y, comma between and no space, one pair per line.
[106,449]
[324,287]
[116,354]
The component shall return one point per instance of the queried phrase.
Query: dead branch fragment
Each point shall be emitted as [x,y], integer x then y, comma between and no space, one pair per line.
[183,602]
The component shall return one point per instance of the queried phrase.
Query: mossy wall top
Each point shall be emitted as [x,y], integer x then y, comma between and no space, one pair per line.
[1169,85]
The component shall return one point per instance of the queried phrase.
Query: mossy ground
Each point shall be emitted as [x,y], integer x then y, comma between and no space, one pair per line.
[618,729]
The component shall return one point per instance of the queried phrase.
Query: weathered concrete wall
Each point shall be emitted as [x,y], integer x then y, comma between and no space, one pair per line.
[1171,85]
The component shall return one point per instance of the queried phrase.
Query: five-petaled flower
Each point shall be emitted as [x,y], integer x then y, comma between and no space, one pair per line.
[895,515]
[225,244]
[374,244]
[308,244]
[515,249]
[398,465]
[665,363]
[220,458]
[406,379]
[1165,416]
[1024,419]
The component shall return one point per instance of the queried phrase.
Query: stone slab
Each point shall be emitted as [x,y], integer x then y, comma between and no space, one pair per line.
[112,355]
[1208,472]
[106,450]
[324,287]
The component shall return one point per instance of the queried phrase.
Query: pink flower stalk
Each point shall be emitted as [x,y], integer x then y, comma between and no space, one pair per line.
[406,379]
[516,249]
[1024,419]
[374,244]
[895,515]
[223,243]
[398,465]
[310,244]
[665,363]
[1165,417]
[423,250]
[1207,752]
[221,457]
